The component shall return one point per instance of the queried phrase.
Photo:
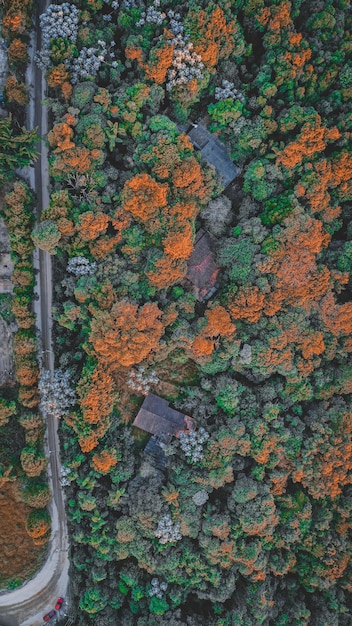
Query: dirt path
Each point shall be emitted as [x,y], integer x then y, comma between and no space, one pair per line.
[26,606]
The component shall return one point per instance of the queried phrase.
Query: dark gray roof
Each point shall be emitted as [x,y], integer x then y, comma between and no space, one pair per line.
[199,136]
[157,417]
[214,152]
[201,268]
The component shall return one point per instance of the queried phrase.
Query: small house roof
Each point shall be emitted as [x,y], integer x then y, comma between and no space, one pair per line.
[214,152]
[156,417]
[202,270]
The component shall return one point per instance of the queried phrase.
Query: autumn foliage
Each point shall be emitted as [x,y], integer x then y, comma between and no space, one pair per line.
[17,51]
[325,470]
[248,304]
[143,197]
[336,317]
[127,334]
[218,324]
[159,62]
[263,364]
[16,91]
[104,461]
[311,140]
[14,22]
[188,178]
[38,526]
[215,36]
[179,244]
[61,137]
[167,271]
[97,401]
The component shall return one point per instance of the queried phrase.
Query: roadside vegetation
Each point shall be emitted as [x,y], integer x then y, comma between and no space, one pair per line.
[25,527]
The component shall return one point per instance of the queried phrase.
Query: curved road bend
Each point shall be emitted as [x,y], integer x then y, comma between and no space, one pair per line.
[26,606]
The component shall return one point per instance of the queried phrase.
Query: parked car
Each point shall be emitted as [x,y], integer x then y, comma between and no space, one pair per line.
[47,617]
[59,603]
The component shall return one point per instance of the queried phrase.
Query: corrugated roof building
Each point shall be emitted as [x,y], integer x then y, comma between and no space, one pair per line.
[202,270]
[156,417]
[215,153]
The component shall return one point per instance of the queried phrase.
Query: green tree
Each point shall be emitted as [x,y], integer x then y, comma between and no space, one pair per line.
[92,602]
[16,150]
[46,236]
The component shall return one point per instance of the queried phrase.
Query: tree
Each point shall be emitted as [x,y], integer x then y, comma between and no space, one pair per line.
[127,334]
[16,150]
[179,244]
[311,140]
[144,197]
[57,395]
[36,493]
[17,51]
[104,461]
[7,409]
[38,526]
[167,271]
[46,236]
[33,461]
[324,465]
[188,179]
[215,37]
[60,137]
[168,531]
[15,91]
[97,395]
[92,602]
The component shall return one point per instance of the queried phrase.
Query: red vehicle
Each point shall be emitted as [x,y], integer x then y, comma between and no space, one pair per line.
[47,617]
[59,603]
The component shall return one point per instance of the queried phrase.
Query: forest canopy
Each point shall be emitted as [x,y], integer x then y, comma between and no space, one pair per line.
[246,519]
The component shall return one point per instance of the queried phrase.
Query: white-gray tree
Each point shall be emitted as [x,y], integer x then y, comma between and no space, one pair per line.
[80,266]
[168,531]
[56,395]
[191,443]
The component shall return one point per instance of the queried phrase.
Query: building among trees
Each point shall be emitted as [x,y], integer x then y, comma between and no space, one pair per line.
[214,153]
[156,417]
[202,270]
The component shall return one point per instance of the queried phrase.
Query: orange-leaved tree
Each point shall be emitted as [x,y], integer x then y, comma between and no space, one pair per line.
[311,140]
[92,224]
[218,324]
[160,60]
[248,304]
[17,51]
[70,162]
[60,136]
[167,271]
[97,395]
[143,197]
[57,75]
[325,464]
[298,280]
[126,334]
[336,317]
[16,91]
[179,244]
[103,461]
[214,38]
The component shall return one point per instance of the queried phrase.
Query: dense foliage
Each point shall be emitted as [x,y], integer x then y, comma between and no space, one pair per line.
[22,459]
[254,528]
[22,456]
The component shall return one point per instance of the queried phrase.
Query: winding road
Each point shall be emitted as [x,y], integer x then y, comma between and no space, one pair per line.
[27,605]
